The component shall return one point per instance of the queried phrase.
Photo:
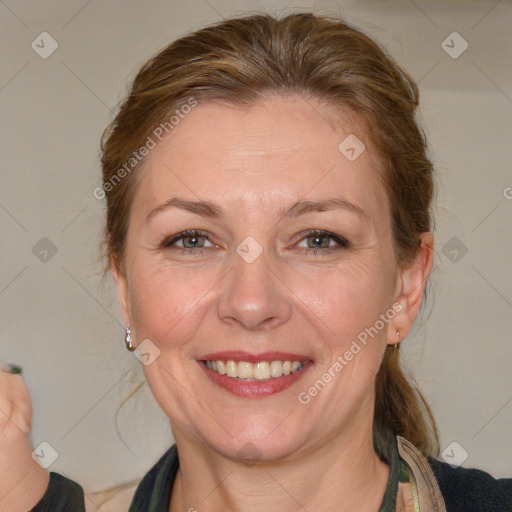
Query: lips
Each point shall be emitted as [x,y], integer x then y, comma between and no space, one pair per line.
[254,375]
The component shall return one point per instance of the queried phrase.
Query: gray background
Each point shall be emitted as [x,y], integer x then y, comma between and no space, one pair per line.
[63,326]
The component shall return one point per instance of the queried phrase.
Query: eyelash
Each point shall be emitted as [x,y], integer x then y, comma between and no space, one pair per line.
[342,242]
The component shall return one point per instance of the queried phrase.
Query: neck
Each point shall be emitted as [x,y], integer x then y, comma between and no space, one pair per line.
[335,476]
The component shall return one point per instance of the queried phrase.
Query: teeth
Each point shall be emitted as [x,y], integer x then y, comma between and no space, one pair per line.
[245,370]
[296,365]
[221,367]
[276,368]
[231,369]
[263,370]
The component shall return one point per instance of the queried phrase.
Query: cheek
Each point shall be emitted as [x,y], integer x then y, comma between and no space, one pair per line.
[161,298]
[165,301]
[169,302]
[349,297]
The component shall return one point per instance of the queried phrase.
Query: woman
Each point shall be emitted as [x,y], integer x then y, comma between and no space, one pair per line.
[269,231]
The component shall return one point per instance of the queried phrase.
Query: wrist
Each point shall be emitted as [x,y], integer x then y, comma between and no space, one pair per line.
[27,486]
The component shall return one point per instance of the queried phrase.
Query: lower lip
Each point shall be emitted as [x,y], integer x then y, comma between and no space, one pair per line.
[255,388]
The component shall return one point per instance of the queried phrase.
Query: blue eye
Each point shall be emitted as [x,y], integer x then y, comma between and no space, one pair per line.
[191,239]
[318,239]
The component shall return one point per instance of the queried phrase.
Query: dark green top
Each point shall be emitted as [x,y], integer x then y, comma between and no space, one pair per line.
[61,495]
[464,490]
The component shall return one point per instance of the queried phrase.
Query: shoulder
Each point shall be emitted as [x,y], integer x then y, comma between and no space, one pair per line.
[166,467]
[471,490]
[155,488]
[61,494]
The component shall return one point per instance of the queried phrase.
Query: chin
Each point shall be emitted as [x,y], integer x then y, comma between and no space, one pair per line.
[256,441]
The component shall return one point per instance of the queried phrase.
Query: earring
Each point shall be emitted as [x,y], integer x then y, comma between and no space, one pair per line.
[397,336]
[128,340]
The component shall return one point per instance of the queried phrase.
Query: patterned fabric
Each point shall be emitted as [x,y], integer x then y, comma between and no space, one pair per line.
[418,490]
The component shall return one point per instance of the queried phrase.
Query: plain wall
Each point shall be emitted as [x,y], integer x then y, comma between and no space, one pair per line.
[63,326]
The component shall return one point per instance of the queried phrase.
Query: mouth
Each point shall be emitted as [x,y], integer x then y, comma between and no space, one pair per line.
[255,375]
[262,370]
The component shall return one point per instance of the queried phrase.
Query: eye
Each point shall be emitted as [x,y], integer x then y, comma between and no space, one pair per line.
[318,239]
[190,240]
[193,239]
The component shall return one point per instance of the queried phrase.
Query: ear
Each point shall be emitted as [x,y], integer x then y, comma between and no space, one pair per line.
[411,282]
[119,275]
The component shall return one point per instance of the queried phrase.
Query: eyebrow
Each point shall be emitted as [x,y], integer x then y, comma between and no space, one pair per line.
[208,209]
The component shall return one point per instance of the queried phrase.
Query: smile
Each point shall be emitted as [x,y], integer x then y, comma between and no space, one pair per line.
[254,375]
[262,370]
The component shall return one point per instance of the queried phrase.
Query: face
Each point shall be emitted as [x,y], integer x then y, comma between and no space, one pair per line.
[254,239]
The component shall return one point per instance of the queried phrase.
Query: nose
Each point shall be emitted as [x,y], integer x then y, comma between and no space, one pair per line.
[253,296]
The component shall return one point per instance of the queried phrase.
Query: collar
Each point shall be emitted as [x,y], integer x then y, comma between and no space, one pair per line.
[412,486]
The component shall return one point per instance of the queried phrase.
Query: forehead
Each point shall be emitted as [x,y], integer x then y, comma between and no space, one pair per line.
[280,148]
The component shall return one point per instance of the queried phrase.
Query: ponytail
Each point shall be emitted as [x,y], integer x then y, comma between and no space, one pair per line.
[401,407]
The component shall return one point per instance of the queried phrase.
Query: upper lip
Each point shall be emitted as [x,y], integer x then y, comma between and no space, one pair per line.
[251,357]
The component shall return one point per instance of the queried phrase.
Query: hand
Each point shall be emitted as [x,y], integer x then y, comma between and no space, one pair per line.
[22,481]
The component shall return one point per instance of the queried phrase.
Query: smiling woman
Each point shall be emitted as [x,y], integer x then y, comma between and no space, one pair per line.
[271,252]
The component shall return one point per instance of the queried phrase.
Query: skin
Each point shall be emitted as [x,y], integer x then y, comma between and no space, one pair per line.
[255,164]
[23,482]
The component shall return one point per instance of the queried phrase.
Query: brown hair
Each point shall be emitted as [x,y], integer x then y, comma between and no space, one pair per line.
[240,60]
